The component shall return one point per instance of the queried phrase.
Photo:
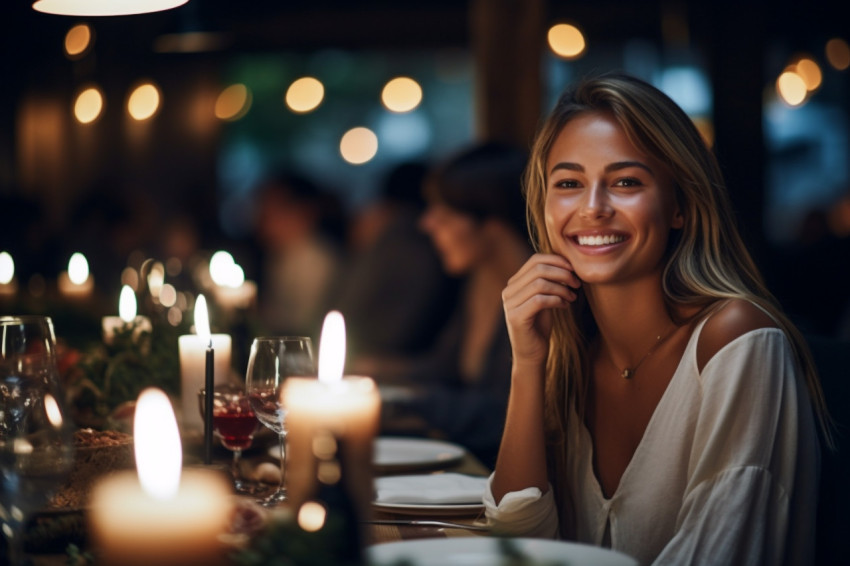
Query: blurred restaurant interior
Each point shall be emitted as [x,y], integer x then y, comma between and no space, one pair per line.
[144,137]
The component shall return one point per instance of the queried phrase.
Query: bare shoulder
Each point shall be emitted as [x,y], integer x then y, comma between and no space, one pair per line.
[731,319]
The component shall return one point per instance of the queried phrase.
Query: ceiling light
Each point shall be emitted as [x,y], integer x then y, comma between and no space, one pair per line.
[104,7]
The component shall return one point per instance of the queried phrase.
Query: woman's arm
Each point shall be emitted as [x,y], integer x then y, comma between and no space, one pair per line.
[542,284]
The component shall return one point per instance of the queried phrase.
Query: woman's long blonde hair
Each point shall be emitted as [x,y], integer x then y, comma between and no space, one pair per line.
[706,262]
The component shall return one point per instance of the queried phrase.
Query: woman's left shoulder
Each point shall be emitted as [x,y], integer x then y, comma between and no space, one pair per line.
[729,320]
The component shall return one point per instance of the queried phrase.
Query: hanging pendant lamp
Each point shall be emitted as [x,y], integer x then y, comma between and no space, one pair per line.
[104,7]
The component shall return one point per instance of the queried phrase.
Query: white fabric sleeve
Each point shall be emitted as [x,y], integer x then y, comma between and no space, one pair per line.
[744,458]
[527,513]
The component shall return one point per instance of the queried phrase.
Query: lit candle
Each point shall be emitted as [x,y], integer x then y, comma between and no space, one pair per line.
[158,515]
[126,317]
[77,282]
[193,364]
[8,285]
[231,290]
[346,407]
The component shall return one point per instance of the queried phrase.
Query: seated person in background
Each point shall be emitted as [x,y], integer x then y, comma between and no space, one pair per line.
[476,221]
[299,261]
[396,296]
[661,402]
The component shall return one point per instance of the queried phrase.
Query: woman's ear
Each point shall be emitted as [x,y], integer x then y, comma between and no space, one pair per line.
[678,219]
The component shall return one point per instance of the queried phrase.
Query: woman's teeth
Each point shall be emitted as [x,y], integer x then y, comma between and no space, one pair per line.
[599,240]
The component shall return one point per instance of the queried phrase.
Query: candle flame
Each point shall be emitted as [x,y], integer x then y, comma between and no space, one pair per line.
[159,454]
[127,304]
[7,268]
[78,269]
[332,348]
[202,318]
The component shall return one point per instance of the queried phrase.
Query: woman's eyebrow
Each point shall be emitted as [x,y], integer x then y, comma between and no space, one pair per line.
[570,166]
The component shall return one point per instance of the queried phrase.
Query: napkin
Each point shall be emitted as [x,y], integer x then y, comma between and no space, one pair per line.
[430,489]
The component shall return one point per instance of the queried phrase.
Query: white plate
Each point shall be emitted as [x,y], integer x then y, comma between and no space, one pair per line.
[452,510]
[399,453]
[485,551]
[393,454]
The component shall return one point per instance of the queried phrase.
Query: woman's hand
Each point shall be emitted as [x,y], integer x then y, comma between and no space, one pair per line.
[545,282]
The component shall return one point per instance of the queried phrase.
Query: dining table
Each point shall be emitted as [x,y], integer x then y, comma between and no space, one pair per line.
[384,525]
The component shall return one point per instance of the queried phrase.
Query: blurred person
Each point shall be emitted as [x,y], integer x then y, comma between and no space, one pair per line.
[661,403]
[300,260]
[396,296]
[475,218]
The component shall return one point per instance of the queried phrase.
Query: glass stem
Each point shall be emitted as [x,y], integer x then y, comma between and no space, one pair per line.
[281,438]
[237,455]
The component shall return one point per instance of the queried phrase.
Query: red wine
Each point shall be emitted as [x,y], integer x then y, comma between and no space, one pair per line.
[236,427]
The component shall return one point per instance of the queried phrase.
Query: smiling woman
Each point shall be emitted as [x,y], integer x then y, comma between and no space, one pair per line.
[709,429]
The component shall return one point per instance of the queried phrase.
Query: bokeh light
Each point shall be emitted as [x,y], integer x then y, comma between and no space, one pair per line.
[88,105]
[566,41]
[791,88]
[401,94]
[311,516]
[78,268]
[810,72]
[7,268]
[78,40]
[143,102]
[838,53]
[233,103]
[358,145]
[305,95]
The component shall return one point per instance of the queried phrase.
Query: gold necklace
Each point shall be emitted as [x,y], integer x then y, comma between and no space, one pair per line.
[628,373]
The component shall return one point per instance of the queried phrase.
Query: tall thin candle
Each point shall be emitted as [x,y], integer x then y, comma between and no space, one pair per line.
[202,327]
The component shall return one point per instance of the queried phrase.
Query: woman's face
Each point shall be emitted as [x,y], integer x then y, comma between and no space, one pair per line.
[457,237]
[609,208]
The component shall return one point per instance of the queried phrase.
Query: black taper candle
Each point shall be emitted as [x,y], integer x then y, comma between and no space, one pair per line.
[209,385]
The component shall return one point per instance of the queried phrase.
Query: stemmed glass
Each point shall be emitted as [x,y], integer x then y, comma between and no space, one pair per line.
[271,361]
[235,424]
[36,435]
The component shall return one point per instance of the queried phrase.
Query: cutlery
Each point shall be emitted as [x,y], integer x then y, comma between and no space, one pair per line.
[428,523]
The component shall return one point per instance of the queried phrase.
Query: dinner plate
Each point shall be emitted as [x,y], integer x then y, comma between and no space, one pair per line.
[430,494]
[404,453]
[396,454]
[422,509]
[487,551]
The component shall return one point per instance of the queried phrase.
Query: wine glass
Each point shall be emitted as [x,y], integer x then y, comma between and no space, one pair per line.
[36,435]
[271,361]
[234,422]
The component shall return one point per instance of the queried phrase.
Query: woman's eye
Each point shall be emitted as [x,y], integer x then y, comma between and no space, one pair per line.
[628,182]
[567,184]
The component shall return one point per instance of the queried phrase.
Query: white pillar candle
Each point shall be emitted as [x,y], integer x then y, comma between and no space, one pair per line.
[193,355]
[347,407]
[126,316]
[76,283]
[158,515]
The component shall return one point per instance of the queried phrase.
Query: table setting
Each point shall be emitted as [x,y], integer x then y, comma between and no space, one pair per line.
[202,485]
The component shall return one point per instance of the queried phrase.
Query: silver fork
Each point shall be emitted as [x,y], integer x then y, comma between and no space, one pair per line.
[428,523]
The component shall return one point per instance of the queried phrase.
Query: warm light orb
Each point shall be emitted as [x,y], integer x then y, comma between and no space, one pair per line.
[838,54]
[168,295]
[332,348]
[159,454]
[143,101]
[127,304]
[221,264]
[202,318]
[791,88]
[566,40]
[78,268]
[77,40]
[88,105]
[305,95]
[52,410]
[810,72]
[402,94]
[358,145]
[311,516]
[104,7]
[233,103]
[7,268]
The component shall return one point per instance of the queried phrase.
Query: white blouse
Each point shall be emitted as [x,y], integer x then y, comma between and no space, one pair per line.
[726,471]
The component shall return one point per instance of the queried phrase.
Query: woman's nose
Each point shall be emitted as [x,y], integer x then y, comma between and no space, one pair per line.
[596,203]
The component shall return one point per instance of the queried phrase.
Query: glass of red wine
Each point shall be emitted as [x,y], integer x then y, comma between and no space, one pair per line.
[234,423]
[272,360]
